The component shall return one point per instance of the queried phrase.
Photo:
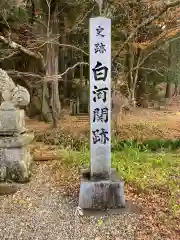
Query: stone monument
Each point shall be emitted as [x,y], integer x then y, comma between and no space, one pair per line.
[15,158]
[100,187]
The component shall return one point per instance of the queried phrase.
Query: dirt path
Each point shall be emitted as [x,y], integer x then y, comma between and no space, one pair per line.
[39,212]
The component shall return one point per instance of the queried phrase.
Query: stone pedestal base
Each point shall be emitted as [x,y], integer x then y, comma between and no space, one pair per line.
[15,158]
[102,194]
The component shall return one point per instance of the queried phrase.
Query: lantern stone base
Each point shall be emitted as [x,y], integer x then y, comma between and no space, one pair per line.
[101,194]
[15,158]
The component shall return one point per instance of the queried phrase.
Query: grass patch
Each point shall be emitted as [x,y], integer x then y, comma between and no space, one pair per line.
[144,170]
[152,145]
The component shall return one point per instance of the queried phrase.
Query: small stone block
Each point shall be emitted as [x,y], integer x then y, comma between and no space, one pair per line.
[12,121]
[102,194]
[15,158]
[15,164]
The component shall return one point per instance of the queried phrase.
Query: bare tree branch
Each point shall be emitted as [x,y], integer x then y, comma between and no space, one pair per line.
[148,21]
[152,69]
[59,44]
[75,27]
[71,68]
[20,48]
[39,78]
[17,74]
[155,50]
[9,56]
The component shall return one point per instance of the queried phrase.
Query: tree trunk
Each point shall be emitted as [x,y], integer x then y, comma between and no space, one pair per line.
[141,90]
[82,66]
[168,93]
[50,98]
[176,88]
[45,108]
[63,56]
[128,62]
[53,70]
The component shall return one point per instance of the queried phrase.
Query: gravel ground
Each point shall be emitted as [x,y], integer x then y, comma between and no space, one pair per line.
[39,212]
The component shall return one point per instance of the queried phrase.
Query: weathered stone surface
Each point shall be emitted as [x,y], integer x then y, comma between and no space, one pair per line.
[102,194]
[21,96]
[12,95]
[101,162]
[100,100]
[20,171]
[15,164]
[6,83]
[3,173]
[15,158]
[12,121]
[16,141]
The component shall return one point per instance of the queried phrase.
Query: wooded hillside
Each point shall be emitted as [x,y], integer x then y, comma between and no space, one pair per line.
[44,46]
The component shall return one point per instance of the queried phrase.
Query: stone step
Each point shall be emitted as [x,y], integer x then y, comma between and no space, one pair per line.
[82,119]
